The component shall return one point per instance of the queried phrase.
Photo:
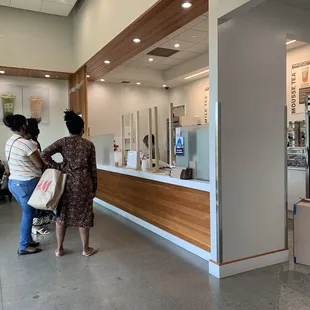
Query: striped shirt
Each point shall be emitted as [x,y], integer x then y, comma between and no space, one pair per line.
[21,166]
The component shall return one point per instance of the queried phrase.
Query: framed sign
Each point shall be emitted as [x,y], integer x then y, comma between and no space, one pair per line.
[300,86]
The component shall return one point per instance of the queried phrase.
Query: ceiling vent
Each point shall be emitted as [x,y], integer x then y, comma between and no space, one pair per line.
[125,82]
[162,52]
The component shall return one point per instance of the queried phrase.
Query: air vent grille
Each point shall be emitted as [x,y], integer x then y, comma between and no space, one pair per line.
[125,82]
[162,52]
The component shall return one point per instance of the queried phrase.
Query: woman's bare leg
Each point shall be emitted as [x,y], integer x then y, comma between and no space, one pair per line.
[60,235]
[87,250]
[84,233]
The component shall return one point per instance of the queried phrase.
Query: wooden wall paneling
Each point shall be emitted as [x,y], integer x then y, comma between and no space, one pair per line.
[34,73]
[181,211]
[72,95]
[79,98]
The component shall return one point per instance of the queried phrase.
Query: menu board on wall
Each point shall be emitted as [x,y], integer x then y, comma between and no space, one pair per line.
[16,104]
[26,100]
[300,86]
[207,90]
[36,103]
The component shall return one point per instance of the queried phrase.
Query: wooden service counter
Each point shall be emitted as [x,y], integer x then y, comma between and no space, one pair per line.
[179,207]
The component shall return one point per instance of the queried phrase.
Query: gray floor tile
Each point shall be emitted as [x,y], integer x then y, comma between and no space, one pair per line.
[134,270]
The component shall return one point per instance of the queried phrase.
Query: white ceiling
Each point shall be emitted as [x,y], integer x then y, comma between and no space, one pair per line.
[55,7]
[193,39]
[300,4]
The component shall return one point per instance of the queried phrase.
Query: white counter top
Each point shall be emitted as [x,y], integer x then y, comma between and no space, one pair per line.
[160,177]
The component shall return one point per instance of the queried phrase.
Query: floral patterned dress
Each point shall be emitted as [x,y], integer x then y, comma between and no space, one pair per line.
[79,157]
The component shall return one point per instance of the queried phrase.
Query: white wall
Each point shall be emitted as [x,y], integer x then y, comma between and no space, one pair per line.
[294,56]
[192,95]
[252,91]
[98,22]
[58,99]
[108,101]
[35,40]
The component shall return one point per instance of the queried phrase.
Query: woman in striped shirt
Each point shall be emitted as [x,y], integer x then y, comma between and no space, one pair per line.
[25,165]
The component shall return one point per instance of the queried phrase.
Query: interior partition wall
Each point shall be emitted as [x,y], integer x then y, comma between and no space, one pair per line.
[247,124]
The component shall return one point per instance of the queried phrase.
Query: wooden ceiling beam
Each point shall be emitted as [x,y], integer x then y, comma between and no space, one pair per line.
[162,19]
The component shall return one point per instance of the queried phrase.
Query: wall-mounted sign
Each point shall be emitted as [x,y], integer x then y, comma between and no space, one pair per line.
[179,146]
[300,86]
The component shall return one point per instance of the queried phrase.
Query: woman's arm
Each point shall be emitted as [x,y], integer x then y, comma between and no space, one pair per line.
[93,167]
[37,160]
[48,153]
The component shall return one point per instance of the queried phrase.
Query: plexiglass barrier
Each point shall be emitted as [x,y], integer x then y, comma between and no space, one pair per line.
[104,149]
[192,150]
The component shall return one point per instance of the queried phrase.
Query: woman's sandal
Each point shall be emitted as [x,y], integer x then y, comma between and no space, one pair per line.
[90,252]
[41,231]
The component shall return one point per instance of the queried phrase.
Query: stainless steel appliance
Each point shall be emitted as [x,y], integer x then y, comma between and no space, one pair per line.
[296,157]
[296,134]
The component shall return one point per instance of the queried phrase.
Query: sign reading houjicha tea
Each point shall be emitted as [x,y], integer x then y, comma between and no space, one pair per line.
[300,86]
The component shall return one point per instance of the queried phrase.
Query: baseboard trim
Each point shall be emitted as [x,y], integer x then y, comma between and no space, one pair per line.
[176,240]
[248,264]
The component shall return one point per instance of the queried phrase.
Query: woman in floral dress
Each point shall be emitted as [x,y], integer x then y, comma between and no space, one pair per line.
[79,163]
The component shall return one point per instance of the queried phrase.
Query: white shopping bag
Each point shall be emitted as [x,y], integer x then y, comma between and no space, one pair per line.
[48,192]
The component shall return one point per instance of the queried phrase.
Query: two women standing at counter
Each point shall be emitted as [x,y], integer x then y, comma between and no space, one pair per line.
[76,206]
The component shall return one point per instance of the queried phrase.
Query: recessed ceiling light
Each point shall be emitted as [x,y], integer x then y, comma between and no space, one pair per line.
[107,62]
[164,85]
[47,76]
[2,72]
[177,45]
[191,76]
[151,59]
[137,40]
[138,83]
[102,80]
[186,5]
[290,42]
[88,76]
[193,36]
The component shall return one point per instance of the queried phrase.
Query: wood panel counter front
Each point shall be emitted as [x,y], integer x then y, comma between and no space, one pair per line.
[183,212]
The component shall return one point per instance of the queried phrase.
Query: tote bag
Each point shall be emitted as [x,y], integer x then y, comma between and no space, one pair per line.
[47,193]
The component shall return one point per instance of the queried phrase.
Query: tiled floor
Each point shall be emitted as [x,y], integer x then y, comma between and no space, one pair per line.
[135,270]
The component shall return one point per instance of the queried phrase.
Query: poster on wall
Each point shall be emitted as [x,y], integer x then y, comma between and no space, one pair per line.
[300,86]
[36,103]
[11,100]
[206,106]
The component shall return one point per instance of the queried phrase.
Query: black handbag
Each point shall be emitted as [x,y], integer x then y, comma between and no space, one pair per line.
[4,183]
[187,174]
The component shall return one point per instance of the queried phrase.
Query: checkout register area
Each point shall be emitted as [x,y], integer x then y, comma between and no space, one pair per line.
[156,173]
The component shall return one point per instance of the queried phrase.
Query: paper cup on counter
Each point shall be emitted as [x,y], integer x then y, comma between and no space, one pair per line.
[145,165]
[8,104]
[36,107]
